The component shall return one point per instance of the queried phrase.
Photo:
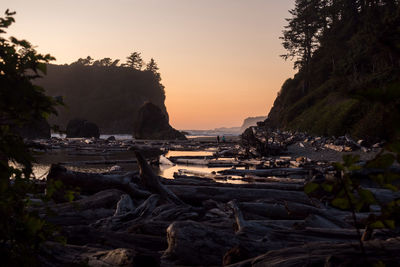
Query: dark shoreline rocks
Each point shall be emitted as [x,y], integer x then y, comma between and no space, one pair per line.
[152,123]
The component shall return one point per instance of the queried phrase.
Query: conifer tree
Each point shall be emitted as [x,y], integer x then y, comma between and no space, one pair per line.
[135,61]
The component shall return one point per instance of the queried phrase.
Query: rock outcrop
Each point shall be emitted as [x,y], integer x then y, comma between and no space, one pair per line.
[82,128]
[152,123]
[107,96]
[251,121]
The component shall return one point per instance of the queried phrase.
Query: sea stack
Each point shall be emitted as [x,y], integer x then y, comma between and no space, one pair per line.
[152,123]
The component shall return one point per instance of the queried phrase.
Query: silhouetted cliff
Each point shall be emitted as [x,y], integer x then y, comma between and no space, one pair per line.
[109,96]
[349,70]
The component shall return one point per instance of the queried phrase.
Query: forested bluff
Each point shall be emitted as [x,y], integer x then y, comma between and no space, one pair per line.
[104,91]
[347,53]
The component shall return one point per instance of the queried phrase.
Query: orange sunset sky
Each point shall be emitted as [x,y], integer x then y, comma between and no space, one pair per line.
[219,59]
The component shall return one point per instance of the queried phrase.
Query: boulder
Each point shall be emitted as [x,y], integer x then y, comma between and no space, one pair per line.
[152,123]
[82,128]
[39,129]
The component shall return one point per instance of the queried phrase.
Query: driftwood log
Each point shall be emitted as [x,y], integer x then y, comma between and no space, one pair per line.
[141,219]
[196,194]
[266,172]
[90,183]
[152,181]
[328,254]
[84,211]
[199,181]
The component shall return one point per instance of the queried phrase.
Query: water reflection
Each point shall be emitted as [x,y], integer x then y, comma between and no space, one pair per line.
[167,171]
[78,162]
[202,153]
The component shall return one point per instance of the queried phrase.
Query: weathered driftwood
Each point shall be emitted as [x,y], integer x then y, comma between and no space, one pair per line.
[84,235]
[211,163]
[257,228]
[252,162]
[86,210]
[310,234]
[99,162]
[124,205]
[193,243]
[199,181]
[149,210]
[56,254]
[149,227]
[89,183]
[265,228]
[195,194]
[195,173]
[328,254]
[192,161]
[152,182]
[266,172]
[120,222]
[318,221]
[173,158]
[281,180]
[172,212]
[288,211]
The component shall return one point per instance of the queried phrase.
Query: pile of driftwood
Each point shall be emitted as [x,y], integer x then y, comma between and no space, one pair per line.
[262,141]
[140,219]
[94,146]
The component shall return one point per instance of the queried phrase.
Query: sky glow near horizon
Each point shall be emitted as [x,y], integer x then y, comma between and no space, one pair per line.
[219,59]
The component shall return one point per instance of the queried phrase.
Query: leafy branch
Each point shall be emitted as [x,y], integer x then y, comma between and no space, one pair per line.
[346,192]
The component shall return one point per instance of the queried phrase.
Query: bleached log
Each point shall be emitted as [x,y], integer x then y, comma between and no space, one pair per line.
[266,172]
[124,205]
[274,179]
[239,219]
[196,173]
[152,182]
[211,163]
